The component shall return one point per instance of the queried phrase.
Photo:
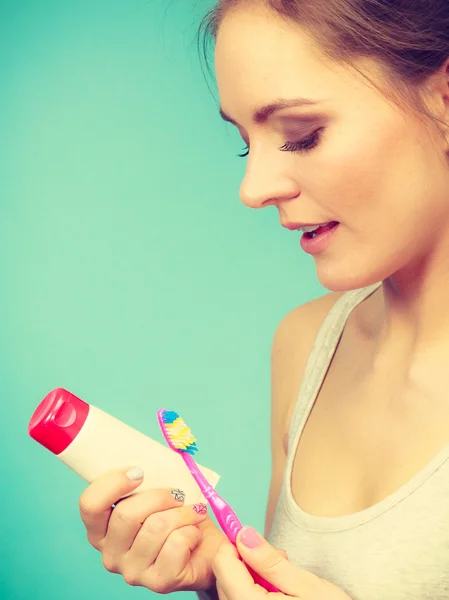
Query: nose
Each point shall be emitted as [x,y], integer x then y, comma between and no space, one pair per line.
[267,183]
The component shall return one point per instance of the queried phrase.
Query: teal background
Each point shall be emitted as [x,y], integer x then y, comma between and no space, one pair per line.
[131,273]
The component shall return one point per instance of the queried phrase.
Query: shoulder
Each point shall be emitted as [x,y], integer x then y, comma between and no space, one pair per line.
[298,329]
[292,343]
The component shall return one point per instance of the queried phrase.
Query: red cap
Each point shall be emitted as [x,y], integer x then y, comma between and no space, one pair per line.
[58,419]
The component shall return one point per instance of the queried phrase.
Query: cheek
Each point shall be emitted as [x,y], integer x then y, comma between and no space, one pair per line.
[367,176]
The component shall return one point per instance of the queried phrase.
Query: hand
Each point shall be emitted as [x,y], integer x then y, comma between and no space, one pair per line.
[150,538]
[234,581]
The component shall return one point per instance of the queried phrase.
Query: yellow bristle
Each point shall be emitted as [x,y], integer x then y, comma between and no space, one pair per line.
[180,434]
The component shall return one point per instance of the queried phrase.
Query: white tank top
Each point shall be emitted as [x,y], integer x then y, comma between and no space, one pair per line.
[397,549]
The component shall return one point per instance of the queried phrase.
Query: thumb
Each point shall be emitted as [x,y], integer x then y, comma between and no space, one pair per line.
[258,553]
[272,565]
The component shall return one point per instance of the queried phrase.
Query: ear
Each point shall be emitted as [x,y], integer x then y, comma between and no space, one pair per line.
[445,83]
[439,89]
[436,99]
[445,98]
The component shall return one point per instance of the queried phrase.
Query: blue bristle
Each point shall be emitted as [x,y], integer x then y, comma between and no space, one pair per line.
[169,416]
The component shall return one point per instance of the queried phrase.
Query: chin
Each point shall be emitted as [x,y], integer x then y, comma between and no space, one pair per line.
[346,278]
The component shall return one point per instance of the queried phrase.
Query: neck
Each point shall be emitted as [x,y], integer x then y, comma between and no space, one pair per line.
[412,319]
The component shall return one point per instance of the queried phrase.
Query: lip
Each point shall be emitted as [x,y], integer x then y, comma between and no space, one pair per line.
[320,243]
[293,226]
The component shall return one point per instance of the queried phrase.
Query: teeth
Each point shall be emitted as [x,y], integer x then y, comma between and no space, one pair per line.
[310,228]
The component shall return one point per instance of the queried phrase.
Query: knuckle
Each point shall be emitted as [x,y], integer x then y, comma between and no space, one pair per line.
[154,524]
[121,515]
[131,578]
[93,541]
[221,550]
[215,562]
[186,537]
[110,563]
[271,562]
[177,538]
[161,586]
[86,505]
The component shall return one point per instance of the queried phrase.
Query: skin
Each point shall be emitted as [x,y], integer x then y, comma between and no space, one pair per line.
[150,538]
[234,582]
[382,173]
[380,170]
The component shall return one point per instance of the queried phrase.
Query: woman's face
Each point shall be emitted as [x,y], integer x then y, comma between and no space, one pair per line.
[342,153]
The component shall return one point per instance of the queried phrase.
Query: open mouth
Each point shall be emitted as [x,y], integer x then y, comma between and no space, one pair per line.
[321,229]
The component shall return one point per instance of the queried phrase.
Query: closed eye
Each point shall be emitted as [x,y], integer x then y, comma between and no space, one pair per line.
[305,144]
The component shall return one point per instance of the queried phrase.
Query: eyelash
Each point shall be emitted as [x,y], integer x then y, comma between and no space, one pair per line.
[305,145]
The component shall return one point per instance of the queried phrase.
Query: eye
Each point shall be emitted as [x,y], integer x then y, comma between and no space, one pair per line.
[306,144]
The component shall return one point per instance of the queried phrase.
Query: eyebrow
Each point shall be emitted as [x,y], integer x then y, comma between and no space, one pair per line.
[262,114]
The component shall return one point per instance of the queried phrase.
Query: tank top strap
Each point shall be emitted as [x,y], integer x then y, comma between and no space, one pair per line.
[320,356]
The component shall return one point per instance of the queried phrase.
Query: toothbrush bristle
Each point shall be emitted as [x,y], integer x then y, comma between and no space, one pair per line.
[180,435]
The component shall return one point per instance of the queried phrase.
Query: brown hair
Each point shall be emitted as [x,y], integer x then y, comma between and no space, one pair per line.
[409,39]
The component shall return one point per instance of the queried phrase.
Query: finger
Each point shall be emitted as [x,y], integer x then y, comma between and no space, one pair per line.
[232,576]
[174,559]
[273,566]
[96,501]
[129,515]
[154,533]
[220,592]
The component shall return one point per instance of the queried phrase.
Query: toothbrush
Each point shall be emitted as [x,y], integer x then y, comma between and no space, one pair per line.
[180,439]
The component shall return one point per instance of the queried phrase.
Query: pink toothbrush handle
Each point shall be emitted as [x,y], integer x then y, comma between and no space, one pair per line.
[226,517]
[230,524]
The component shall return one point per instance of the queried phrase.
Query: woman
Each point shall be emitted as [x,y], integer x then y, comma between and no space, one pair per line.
[344,107]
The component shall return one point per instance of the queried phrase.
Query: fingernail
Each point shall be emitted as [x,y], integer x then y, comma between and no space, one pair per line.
[200,508]
[249,537]
[178,495]
[134,473]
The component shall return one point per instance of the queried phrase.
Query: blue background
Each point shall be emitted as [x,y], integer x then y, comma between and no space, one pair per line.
[132,274]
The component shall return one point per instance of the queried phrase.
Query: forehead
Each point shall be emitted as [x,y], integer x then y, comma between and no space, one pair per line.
[260,56]
[256,45]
